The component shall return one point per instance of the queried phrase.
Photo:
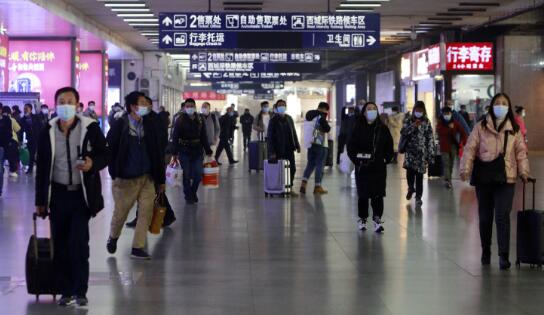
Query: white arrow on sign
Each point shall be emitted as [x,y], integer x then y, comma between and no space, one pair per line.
[370,40]
[167,21]
[167,39]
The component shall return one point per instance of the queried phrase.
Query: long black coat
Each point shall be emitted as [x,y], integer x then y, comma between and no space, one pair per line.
[372,139]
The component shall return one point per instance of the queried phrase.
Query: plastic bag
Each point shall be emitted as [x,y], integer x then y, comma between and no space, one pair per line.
[174,175]
[210,178]
[345,165]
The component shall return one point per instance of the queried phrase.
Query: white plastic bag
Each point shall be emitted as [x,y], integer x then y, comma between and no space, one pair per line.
[174,175]
[345,165]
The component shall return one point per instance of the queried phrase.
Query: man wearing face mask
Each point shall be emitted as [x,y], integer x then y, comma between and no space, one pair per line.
[137,169]
[227,128]
[90,111]
[260,125]
[116,112]
[212,124]
[190,142]
[282,138]
[247,122]
[71,152]
[458,117]
[44,114]
[31,126]
[451,137]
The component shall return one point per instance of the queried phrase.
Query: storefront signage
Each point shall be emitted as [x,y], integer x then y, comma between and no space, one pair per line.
[426,62]
[255,62]
[40,66]
[434,58]
[268,30]
[251,76]
[406,67]
[92,76]
[469,56]
[204,96]
[4,59]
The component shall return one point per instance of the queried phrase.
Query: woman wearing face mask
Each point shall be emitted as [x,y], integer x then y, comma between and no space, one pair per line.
[420,150]
[71,153]
[371,149]
[260,124]
[451,136]
[494,157]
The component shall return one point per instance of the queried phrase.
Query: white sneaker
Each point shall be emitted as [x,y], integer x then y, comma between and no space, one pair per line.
[361,224]
[14,175]
[378,227]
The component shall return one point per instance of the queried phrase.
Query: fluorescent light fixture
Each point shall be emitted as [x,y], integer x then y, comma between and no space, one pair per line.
[150,33]
[366,0]
[353,10]
[142,20]
[130,10]
[135,15]
[180,56]
[360,5]
[144,24]
[125,5]
[199,84]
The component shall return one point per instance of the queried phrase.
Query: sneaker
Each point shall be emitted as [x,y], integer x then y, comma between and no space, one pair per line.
[219,163]
[81,301]
[66,301]
[409,195]
[112,245]
[419,202]
[138,253]
[378,226]
[303,187]
[132,224]
[13,175]
[233,162]
[318,190]
[361,224]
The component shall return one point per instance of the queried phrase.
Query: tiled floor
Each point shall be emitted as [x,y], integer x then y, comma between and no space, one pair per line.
[238,253]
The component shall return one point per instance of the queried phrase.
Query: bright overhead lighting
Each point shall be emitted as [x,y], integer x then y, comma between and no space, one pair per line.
[150,34]
[135,15]
[141,20]
[367,0]
[126,5]
[360,5]
[180,56]
[353,10]
[144,24]
[130,10]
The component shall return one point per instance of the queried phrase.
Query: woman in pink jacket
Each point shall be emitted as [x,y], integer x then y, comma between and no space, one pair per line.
[494,157]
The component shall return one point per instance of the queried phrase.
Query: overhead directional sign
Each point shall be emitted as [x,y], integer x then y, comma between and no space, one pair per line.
[251,76]
[184,30]
[306,62]
[247,86]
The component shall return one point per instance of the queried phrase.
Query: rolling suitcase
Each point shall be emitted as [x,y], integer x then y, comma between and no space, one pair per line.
[257,153]
[277,178]
[436,169]
[40,272]
[530,234]
[330,153]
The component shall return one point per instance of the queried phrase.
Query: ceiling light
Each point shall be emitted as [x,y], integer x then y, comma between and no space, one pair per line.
[150,34]
[353,10]
[367,0]
[360,5]
[144,24]
[135,15]
[480,4]
[130,10]
[141,20]
[180,56]
[127,5]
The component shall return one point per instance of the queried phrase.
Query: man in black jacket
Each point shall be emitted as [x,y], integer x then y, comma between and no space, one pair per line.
[5,138]
[137,168]
[227,128]
[282,138]
[346,128]
[71,152]
[31,126]
[247,122]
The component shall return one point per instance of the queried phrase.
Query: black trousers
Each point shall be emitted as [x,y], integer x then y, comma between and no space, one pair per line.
[32,145]
[224,144]
[363,200]
[247,138]
[342,141]
[495,200]
[70,231]
[414,177]
[12,155]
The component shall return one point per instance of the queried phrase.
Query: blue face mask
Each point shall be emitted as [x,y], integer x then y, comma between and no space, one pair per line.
[371,115]
[281,109]
[418,114]
[500,111]
[142,111]
[231,114]
[66,112]
[266,109]
[189,110]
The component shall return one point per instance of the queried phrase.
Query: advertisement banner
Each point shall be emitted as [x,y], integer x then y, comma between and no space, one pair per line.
[204,96]
[469,56]
[41,66]
[4,54]
[91,76]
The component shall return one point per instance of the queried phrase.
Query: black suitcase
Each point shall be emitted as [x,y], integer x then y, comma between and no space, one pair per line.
[330,154]
[436,169]
[40,268]
[530,234]
[257,154]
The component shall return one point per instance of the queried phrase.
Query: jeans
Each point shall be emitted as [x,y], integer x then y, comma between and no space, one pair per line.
[495,200]
[413,177]
[191,163]
[70,232]
[448,159]
[224,144]
[1,169]
[247,138]
[316,161]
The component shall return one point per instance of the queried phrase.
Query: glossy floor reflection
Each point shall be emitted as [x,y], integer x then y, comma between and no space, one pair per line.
[238,253]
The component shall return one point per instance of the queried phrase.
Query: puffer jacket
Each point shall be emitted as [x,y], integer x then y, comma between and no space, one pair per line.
[420,145]
[395,124]
[486,143]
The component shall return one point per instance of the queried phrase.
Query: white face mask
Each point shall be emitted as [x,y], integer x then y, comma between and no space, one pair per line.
[91,108]
[447,117]
[189,110]
[66,112]
[45,111]
[205,111]
[371,115]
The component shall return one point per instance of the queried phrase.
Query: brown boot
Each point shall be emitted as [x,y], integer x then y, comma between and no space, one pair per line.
[318,190]
[303,187]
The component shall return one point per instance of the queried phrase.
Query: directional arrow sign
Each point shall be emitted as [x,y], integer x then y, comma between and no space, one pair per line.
[167,21]
[167,39]
[370,40]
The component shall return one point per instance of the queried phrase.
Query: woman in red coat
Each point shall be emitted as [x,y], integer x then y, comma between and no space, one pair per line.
[451,136]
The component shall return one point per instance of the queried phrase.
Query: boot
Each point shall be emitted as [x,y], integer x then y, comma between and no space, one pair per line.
[504,263]
[318,190]
[303,187]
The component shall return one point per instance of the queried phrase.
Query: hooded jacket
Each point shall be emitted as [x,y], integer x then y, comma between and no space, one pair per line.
[315,119]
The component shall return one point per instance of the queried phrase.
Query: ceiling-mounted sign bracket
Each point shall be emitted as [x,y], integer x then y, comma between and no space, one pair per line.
[209,6]
[328,6]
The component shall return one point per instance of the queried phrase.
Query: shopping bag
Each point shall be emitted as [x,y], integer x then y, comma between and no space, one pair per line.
[345,165]
[210,178]
[159,211]
[24,156]
[174,175]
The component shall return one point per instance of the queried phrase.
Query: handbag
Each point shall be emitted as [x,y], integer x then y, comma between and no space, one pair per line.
[492,172]
[402,144]
[159,211]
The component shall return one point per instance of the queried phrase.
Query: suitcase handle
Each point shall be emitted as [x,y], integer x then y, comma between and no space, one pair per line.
[533,181]
[35,231]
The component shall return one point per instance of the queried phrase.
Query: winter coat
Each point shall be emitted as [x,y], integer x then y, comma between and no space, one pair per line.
[190,136]
[282,136]
[395,125]
[228,124]
[374,139]
[522,127]
[31,126]
[486,143]
[212,128]
[420,145]
[450,138]
[310,124]
[247,122]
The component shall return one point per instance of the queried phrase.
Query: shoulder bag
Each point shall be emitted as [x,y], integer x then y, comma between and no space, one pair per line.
[492,172]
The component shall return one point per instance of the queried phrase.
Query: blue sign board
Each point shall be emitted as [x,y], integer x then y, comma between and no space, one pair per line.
[250,76]
[186,30]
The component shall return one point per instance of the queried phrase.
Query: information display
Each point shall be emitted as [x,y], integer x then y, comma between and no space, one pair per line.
[184,30]
[251,76]
[247,85]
